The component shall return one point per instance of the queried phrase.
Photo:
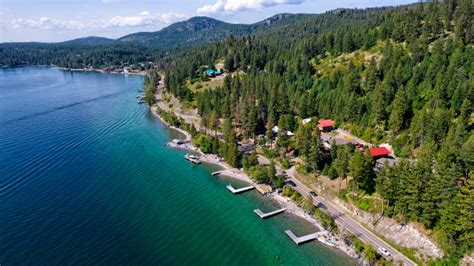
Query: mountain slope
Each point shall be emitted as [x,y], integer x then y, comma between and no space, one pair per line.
[92,40]
[201,30]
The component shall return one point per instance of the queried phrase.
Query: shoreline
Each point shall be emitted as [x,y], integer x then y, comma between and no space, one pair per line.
[140,73]
[284,202]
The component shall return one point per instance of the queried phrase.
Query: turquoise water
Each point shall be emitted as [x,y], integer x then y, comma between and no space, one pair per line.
[85,179]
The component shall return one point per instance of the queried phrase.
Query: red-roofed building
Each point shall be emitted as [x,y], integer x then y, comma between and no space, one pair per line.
[379,152]
[326,125]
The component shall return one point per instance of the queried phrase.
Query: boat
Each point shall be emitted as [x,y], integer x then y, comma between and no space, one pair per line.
[192,158]
[325,241]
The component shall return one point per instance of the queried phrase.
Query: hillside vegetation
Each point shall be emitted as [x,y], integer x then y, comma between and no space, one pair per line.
[403,76]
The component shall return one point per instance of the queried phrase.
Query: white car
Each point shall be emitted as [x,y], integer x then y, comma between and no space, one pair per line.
[383,251]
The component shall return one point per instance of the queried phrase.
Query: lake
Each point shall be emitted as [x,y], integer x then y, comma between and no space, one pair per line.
[85,178]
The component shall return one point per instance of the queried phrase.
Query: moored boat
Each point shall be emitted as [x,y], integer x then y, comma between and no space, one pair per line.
[192,158]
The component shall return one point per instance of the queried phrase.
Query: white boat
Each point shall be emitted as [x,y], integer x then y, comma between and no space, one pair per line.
[325,241]
[192,158]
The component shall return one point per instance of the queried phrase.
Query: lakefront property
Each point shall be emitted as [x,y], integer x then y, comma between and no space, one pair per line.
[330,135]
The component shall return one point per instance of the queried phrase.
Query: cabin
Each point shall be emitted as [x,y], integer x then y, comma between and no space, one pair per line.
[246,148]
[326,125]
[212,73]
[379,152]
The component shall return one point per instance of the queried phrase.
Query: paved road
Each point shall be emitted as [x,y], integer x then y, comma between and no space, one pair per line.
[349,223]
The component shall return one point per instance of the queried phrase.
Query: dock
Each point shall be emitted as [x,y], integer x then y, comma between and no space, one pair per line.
[240,190]
[302,239]
[268,214]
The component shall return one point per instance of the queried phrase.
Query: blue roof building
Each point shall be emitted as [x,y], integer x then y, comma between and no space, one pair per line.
[212,72]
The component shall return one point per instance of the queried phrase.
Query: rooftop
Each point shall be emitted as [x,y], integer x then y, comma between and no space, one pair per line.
[379,151]
[326,123]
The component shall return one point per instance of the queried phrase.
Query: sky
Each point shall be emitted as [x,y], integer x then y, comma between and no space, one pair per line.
[60,20]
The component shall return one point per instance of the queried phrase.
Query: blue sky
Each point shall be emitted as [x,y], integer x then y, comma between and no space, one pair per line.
[56,20]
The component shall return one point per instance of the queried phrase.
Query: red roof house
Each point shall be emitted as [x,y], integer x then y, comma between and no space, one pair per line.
[379,152]
[325,125]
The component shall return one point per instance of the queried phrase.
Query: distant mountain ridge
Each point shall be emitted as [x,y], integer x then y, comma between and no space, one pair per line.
[194,31]
[92,40]
[179,37]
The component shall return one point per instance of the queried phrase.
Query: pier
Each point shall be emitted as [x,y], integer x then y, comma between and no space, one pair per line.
[268,214]
[302,239]
[240,190]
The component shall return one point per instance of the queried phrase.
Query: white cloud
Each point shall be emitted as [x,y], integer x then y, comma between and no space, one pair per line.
[144,18]
[46,23]
[230,6]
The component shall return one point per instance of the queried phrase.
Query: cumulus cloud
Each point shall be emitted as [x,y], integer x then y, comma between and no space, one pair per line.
[230,6]
[144,18]
[46,23]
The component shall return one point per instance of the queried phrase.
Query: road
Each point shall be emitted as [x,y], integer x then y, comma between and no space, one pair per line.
[189,119]
[348,222]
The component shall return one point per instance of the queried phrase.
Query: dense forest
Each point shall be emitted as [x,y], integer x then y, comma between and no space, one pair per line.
[75,55]
[402,76]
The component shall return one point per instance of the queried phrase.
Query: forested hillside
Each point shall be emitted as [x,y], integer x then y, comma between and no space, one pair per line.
[74,55]
[98,52]
[402,76]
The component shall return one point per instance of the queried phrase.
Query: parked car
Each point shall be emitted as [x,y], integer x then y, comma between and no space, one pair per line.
[321,206]
[382,251]
[291,183]
[313,193]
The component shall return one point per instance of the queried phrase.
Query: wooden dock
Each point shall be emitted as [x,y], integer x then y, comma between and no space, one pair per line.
[268,214]
[240,190]
[302,239]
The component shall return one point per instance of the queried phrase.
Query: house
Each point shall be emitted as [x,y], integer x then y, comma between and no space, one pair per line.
[379,152]
[246,148]
[212,73]
[326,125]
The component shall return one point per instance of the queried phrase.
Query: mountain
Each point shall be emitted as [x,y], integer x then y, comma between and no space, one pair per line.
[197,30]
[200,30]
[177,37]
[92,40]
